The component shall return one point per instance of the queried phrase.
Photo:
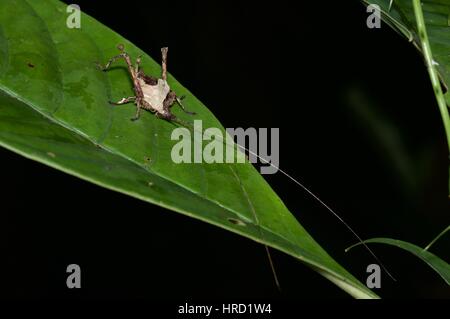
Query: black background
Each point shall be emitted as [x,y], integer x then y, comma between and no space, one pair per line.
[308,70]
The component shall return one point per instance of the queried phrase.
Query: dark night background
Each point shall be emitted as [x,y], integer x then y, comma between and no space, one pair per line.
[358,123]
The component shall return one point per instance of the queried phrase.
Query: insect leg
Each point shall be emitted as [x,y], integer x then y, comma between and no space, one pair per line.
[124,100]
[138,112]
[182,106]
[182,123]
[164,63]
[138,63]
[124,56]
[113,59]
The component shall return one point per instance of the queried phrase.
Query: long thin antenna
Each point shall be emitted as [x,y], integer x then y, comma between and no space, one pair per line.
[318,200]
[324,205]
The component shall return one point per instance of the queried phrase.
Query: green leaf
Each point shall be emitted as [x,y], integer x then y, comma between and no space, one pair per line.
[436,263]
[54,109]
[426,25]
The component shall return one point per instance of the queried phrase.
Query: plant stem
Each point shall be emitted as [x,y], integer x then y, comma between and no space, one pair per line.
[422,31]
[437,237]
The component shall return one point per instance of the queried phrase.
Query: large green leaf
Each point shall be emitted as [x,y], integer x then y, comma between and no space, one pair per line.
[436,263]
[54,109]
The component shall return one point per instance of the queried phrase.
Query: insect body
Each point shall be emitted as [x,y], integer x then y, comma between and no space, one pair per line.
[151,93]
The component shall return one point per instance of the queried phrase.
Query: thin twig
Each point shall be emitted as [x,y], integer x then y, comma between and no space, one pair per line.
[437,237]
[426,49]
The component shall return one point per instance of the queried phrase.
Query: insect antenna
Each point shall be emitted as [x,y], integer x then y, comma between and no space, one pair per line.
[321,202]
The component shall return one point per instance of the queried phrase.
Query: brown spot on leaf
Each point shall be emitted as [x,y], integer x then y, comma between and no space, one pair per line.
[147,160]
[236,222]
